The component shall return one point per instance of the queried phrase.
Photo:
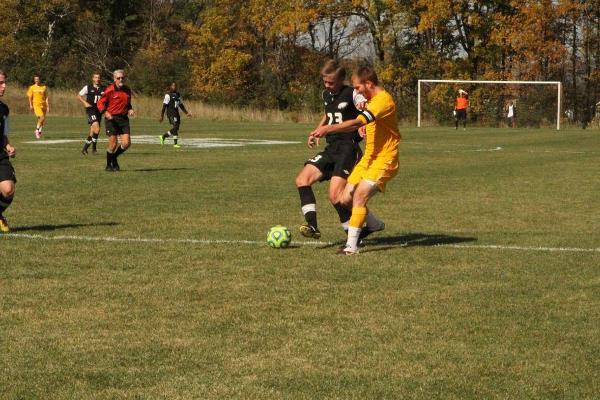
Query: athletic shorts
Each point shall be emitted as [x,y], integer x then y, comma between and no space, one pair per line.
[39,111]
[118,125]
[7,172]
[338,159]
[461,114]
[378,171]
[174,120]
[93,115]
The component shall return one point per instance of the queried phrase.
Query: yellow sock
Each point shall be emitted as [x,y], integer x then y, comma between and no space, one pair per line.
[359,215]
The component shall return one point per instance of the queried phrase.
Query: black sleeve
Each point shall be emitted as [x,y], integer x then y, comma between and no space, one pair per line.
[182,107]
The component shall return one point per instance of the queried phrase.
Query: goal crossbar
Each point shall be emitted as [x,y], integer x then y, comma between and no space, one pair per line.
[557,83]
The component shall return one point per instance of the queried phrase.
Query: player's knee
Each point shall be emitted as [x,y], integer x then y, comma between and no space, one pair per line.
[7,189]
[302,180]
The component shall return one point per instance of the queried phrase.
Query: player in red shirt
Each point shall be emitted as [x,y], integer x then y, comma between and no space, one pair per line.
[460,108]
[115,103]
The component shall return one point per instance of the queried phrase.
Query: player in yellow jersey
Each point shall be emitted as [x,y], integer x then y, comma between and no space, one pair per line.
[38,103]
[379,162]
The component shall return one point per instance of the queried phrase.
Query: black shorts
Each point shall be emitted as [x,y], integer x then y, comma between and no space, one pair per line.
[461,114]
[93,115]
[118,125]
[174,120]
[7,172]
[338,159]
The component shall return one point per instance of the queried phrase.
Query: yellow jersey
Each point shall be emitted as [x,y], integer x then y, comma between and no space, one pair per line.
[383,136]
[38,95]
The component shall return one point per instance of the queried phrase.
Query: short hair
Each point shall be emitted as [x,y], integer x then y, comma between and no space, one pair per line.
[96,73]
[367,73]
[2,73]
[332,67]
[118,71]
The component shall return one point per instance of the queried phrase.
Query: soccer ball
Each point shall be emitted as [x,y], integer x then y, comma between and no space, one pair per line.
[279,237]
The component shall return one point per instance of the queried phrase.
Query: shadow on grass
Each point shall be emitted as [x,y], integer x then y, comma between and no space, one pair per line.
[46,228]
[158,169]
[408,240]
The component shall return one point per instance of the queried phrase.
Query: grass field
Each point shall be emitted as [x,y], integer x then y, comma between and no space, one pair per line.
[156,283]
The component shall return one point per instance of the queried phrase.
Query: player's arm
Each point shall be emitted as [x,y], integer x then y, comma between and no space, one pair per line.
[130,110]
[102,104]
[166,101]
[30,98]
[312,140]
[189,114]
[47,101]
[349,126]
[10,150]
[81,96]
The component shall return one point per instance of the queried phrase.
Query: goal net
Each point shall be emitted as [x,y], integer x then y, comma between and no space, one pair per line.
[535,103]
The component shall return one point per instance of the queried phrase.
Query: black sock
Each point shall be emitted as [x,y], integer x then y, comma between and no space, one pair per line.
[175,139]
[343,212]
[4,203]
[109,158]
[308,200]
[120,150]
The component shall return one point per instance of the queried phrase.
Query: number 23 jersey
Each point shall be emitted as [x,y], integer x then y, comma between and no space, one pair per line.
[340,107]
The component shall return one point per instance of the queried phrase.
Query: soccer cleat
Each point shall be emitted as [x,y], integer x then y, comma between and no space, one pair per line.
[84,151]
[310,231]
[347,251]
[176,146]
[366,231]
[115,165]
[4,228]
[109,168]
[38,134]
[162,139]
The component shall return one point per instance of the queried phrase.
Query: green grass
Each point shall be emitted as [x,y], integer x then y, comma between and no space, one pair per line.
[411,317]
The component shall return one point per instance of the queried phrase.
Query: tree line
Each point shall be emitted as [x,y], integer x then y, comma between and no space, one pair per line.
[267,53]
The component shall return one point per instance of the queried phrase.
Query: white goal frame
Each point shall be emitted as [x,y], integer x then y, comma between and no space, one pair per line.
[557,83]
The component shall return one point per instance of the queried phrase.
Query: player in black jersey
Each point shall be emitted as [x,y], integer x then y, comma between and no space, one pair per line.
[89,96]
[7,172]
[340,155]
[171,104]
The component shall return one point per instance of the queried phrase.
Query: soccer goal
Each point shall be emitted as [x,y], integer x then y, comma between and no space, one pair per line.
[488,99]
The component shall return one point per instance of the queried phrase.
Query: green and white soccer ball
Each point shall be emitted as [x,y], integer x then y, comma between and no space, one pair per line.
[279,237]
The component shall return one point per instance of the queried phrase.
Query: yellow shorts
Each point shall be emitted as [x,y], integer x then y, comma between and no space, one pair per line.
[378,171]
[39,111]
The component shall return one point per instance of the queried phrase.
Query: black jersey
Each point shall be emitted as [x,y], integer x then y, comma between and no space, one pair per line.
[4,111]
[172,102]
[92,94]
[340,107]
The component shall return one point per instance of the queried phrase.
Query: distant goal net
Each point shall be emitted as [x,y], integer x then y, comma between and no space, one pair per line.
[534,103]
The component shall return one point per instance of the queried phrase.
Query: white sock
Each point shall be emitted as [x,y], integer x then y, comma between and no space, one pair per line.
[346,225]
[308,208]
[373,223]
[352,241]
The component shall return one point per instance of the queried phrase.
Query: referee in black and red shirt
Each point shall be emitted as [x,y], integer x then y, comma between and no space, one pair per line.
[115,103]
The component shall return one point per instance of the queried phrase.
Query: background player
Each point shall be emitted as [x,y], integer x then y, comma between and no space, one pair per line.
[39,103]
[171,104]
[115,103]
[379,164]
[340,155]
[461,103]
[89,96]
[7,173]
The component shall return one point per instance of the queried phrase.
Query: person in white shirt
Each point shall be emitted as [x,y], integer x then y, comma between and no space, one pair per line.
[510,114]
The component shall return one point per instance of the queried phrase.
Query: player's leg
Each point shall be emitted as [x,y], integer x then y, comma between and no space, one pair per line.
[7,192]
[168,133]
[309,174]
[95,130]
[361,195]
[41,121]
[336,188]
[175,130]
[91,119]
[111,146]
[125,143]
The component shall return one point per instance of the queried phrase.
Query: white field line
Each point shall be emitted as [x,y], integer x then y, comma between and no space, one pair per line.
[300,243]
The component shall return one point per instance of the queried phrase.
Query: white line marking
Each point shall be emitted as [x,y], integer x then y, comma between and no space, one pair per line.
[299,243]
[202,143]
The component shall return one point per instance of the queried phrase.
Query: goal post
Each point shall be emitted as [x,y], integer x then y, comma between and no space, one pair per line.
[457,81]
